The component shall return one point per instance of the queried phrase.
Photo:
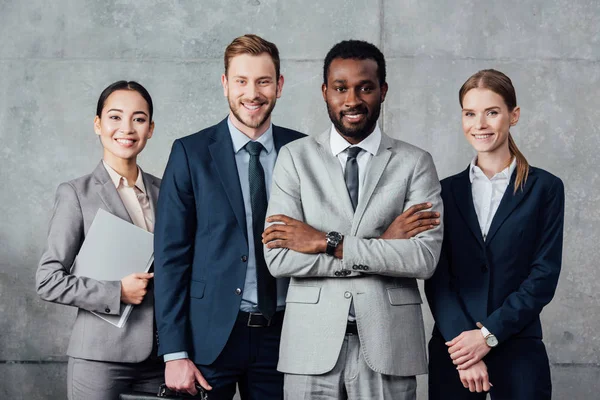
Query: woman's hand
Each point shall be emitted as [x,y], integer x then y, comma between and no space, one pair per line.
[467,348]
[134,287]
[475,378]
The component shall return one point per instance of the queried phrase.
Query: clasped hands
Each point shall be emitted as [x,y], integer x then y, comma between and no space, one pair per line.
[290,233]
[467,351]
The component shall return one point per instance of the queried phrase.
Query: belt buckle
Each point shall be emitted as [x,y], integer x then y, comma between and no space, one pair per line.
[251,325]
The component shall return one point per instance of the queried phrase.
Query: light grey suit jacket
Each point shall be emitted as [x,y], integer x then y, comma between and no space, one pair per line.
[75,207]
[379,275]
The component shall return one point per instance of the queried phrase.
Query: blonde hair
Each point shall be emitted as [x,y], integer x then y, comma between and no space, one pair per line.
[500,84]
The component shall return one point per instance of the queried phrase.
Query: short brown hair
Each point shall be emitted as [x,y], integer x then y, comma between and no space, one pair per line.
[500,84]
[253,45]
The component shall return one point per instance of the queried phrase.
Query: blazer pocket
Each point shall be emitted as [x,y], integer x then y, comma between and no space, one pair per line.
[404,295]
[303,294]
[197,289]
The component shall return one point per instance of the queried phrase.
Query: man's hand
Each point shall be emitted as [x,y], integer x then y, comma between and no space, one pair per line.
[289,233]
[133,287]
[467,348]
[412,222]
[475,378]
[181,375]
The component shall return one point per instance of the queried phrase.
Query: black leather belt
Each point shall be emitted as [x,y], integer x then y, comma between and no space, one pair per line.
[351,328]
[257,320]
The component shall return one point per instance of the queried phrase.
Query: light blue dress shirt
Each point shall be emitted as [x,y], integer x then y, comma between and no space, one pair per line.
[242,160]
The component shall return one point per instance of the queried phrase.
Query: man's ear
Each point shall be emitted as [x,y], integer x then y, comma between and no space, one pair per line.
[225,84]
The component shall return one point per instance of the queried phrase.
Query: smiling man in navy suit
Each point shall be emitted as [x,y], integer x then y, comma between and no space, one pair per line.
[218,309]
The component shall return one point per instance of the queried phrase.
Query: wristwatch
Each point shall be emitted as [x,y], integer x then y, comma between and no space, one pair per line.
[490,338]
[333,239]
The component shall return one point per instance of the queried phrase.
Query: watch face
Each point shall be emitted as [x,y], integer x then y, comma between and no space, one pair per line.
[491,341]
[334,237]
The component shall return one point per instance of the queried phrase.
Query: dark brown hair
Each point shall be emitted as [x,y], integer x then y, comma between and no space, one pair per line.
[124,85]
[253,45]
[500,84]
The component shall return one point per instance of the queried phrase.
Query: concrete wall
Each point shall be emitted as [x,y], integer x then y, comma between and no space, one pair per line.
[56,57]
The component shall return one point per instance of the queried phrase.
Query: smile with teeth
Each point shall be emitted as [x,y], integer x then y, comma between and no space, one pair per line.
[354,117]
[482,136]
[125,142]
[251,107]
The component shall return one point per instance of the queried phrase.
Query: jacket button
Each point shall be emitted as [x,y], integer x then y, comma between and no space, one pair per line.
[355,267]
[244,258]
[347,272]
[365,267]
[238,291]
[347,295]
[337,273]
[107,310]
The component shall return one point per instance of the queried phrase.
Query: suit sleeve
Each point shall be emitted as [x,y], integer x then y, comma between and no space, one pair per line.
[448,310]
[285,199]
[174,234]
[527,302]
[416,257]
[54,281]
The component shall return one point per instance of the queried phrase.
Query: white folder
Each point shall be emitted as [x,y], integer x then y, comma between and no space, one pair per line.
[112,249]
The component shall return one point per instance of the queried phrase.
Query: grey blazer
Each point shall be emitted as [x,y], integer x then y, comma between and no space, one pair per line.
[75,207]
[379,275]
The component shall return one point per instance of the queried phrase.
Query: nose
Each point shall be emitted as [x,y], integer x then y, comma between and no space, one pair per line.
[127,126]
[252,91]
[352,99]
[481,122]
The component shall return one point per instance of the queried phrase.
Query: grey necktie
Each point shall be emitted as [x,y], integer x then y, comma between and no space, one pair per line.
[266,284]
[351,174]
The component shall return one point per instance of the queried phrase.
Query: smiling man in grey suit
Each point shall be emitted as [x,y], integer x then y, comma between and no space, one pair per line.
[339,203]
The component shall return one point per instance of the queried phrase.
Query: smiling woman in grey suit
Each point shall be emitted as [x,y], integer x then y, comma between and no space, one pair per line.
[106,360]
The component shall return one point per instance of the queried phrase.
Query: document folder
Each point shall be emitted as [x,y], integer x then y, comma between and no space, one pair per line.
[112,249]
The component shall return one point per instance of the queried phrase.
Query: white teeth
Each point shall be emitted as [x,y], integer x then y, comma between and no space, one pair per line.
[485,136]
[252,107]
[125,141]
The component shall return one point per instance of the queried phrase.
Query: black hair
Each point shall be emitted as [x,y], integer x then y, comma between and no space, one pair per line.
[124,85]
[358,50]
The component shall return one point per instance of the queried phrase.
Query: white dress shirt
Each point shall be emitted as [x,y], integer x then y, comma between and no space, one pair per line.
[487,193]
[370,145]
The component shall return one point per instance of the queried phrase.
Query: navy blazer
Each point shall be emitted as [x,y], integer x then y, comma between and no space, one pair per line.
[201,244]
[505,281]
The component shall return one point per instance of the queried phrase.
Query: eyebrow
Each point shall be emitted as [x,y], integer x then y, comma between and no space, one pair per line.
[259,78]
[363,82]
[119,110]
[487,109]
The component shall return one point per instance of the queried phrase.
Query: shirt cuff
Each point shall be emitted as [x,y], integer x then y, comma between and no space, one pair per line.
[175,356]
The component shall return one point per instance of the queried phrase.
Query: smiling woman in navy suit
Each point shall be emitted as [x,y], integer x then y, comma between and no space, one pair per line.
[105,360]
[501,258]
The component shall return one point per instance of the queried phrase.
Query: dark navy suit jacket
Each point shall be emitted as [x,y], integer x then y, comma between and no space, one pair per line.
[200,243]
[506,280]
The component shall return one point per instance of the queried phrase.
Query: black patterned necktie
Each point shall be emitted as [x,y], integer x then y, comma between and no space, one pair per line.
[266,284]
[351,174]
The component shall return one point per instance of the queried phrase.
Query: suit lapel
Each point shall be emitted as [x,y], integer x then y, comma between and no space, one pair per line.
[375,170]
[463,198]
[221,151]
[108,193]
[152,190]
[508,203]
[335,174]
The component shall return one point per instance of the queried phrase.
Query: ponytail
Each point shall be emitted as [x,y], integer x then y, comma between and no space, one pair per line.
[522,164]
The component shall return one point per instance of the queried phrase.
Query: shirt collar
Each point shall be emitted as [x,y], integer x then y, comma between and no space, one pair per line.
[370,143]
[117,179]
[240,140]
[506,173]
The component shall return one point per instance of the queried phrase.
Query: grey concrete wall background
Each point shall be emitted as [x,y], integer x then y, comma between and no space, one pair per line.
[56,57]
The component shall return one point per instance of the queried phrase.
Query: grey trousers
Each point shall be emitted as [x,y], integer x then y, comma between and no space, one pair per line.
[99,380]
[351,378]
